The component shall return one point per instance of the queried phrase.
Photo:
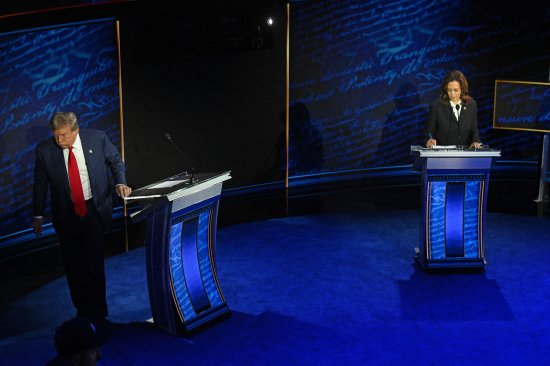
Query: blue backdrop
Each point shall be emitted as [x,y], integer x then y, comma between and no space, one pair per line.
[362,75]
[66,68]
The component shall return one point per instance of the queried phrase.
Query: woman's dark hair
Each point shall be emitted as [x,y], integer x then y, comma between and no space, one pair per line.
[455,75]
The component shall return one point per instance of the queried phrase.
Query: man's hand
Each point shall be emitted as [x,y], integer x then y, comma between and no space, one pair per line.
[122,190]
[37,225]
[476,145]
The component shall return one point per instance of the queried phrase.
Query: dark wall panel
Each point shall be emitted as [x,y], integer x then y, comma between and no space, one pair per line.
[202,75]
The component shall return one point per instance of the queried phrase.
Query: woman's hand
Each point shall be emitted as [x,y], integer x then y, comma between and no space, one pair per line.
[431,143]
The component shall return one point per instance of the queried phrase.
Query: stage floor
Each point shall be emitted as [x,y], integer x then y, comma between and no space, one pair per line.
[317,277]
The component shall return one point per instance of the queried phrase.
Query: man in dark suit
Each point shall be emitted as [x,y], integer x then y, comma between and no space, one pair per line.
[74,166]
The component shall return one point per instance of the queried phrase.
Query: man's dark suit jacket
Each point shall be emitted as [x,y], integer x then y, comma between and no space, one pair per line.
[50,171]
[443,126]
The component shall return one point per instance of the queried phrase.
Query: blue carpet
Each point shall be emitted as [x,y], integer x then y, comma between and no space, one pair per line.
[328,289]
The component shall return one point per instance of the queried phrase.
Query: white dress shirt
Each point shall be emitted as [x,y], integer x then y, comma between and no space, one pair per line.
[453,105]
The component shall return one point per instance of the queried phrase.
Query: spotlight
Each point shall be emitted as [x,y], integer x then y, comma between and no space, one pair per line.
[270,21]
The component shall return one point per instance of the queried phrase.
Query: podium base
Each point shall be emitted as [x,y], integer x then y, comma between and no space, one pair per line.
[449,263]
[206,319]
[188,328]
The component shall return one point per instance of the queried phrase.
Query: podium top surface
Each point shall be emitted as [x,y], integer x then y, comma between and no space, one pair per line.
[453,152]
[180,190]
[179,185]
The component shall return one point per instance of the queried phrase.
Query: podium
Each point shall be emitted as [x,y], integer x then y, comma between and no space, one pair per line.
[454,195]
[181,215]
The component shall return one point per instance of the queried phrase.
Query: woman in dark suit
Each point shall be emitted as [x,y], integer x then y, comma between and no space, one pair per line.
[452,119]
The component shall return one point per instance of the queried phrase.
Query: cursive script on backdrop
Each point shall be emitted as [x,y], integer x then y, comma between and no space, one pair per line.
[367,71]
[65,68]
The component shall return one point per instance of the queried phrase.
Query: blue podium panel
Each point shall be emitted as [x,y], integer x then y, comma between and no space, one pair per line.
[453,220]
[192,271]
[454,195]
[184,291]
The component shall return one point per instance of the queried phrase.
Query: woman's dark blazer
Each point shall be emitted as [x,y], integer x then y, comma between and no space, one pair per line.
[446,130]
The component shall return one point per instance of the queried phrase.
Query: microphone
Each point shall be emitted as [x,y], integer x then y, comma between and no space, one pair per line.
[169,138]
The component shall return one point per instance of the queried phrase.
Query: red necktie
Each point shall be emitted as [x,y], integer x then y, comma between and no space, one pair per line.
[76,186]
